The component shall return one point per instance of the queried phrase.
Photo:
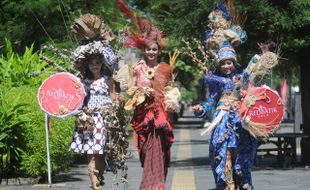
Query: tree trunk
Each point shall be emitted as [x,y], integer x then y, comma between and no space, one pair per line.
[305,104]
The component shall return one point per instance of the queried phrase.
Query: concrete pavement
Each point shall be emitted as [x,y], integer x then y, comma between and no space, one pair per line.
[190,168]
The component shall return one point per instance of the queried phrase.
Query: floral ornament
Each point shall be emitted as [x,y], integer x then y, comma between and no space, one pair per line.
[250,100]
[236,28]
[172,99]
[141,31]
[77,85]
[150,73]
[62,110]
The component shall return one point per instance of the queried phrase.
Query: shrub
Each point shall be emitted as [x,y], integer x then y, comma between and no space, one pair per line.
[13,118]
[34,161]
[22,123]
[29,135]
[17,70]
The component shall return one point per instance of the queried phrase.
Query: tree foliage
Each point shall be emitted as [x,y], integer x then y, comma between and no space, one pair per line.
[48,21]
[286,22]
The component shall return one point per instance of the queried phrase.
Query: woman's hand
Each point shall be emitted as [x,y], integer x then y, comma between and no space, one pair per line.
[197,108]
[148,91]
[171,108]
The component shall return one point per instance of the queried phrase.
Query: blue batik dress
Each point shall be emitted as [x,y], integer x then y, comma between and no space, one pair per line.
[232,148]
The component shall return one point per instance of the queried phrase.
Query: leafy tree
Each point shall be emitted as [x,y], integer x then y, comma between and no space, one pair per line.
[42,21]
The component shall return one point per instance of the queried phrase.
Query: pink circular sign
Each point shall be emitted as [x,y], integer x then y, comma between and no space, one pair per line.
[61,95]
[262,107]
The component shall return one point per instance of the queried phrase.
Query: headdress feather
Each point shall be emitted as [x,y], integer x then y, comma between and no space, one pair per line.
[143,31]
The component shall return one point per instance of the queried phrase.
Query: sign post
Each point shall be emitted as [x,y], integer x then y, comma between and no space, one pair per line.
[60,95]
[48,150]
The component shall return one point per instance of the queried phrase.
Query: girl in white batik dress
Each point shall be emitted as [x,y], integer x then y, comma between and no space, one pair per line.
[90,134]
[100,130]
[93,141]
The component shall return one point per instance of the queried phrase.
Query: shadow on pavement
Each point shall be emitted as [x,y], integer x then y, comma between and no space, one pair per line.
[62,178]
[194,142]
[188,126]
[193,162]
[189,122]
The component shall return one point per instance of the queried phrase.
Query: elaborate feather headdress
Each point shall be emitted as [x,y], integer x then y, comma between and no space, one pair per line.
[142,31]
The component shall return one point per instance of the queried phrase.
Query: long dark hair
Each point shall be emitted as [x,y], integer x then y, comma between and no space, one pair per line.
[105,71]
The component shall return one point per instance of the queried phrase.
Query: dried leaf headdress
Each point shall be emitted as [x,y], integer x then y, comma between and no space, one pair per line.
[95,36]
[91,27]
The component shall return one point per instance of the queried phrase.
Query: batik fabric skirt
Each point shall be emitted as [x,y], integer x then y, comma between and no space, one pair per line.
[92,142]
[155,138]
[232,153]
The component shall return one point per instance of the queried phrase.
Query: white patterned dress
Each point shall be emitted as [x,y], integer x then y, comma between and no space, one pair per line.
[93,142]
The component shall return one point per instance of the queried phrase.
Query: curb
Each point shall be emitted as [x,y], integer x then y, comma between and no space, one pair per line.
[18,181]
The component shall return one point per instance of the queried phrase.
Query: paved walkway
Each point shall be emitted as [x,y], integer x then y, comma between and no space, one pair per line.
[190,168]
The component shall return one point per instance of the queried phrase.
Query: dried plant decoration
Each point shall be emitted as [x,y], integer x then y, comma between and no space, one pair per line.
[90,27]
[189,51]
[116,147]
[173,57]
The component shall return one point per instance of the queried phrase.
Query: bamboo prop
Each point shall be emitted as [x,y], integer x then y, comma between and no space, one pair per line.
[49,168]
[47,149]
[173,57]
[189,51]
[52,63]
[64,53]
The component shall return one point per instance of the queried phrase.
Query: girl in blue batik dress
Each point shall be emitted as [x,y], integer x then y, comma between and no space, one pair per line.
[232,148]
[233,141]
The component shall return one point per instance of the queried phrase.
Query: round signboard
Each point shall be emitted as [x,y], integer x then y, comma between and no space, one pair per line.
[61,95]
[262,110]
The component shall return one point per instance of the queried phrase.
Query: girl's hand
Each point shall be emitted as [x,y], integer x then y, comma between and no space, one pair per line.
[120,97]
[197,108]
